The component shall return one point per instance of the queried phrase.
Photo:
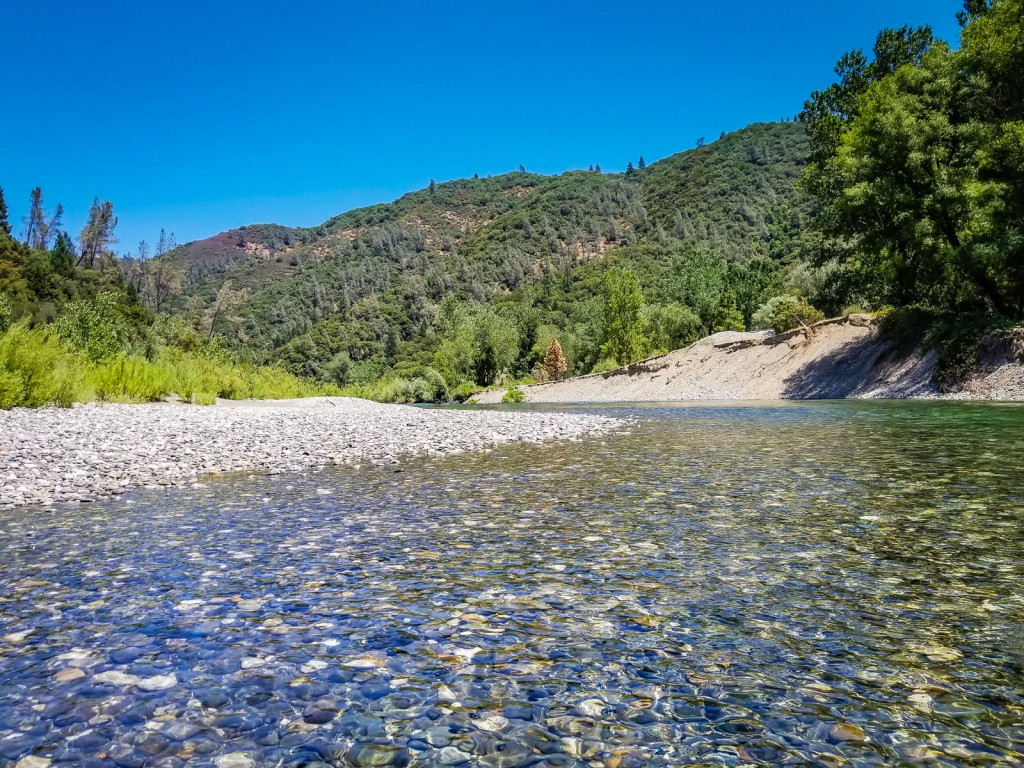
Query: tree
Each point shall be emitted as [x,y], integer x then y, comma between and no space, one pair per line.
[38,228]
[671,326]
[641,163]
[63,256]
[98,232]
[554,366]
[783,313]
[5,224]
[433,187]
[828,113]
[497,345]
[597,167]
[624,339]
[228,302]
[700,142]
[522,168]
[629,168]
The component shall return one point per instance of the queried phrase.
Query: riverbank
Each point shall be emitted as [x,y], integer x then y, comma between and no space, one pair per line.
[94,451]
[835,359]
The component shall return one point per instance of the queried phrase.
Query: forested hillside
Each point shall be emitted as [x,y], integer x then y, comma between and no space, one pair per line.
[444,278]
[899,190]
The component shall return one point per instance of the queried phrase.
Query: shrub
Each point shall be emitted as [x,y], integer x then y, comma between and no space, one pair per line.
[462,392]
[94,326]
[782,313]
[605,365]
[132,379]
[513,395]
[5,313]
[36,370]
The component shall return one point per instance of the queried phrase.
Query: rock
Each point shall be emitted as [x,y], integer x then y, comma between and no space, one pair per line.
[31,761]
[68,674]
[116,678]
[846,732]
[234,760]
[158,682]
[492,723]
[372,754]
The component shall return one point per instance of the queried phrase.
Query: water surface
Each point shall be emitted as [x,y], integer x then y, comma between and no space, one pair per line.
[836,584]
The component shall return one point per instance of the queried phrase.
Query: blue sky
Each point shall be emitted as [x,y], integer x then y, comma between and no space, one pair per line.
[201,116]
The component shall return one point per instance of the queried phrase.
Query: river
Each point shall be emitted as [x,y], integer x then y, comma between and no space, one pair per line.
[821,583]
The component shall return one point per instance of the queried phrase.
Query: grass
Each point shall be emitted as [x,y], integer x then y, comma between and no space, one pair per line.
[37,369]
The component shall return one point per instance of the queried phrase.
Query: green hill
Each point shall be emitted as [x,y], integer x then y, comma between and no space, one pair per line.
[366,288]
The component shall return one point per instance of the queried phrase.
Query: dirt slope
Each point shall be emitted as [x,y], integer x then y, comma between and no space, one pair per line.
[839,358]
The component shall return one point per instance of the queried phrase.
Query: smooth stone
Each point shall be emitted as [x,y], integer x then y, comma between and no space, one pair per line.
[31,761]
[234,760]
[116,678]
[370,755]
[158,682]
[319,716]
[68,674]
[846,732]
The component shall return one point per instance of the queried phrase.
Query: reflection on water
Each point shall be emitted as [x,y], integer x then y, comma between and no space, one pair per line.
[801,584]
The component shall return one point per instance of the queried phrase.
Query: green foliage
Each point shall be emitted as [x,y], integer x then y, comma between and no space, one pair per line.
[783,313]
[36,369]
[94,326]
[671,326]
[5,313]
[513,395]
[446,277]
[623,332]
[920,172]
[606,364]
[132,379]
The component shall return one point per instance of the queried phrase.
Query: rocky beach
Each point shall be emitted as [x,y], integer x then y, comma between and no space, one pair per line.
[95,451]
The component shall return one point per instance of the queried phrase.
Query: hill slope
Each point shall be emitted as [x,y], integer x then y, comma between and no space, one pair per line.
[368,284]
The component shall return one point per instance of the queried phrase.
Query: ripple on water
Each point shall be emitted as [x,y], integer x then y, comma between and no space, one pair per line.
[832,584]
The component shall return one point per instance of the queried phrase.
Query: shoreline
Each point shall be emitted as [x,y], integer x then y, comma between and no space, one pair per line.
[96,451]
[837,359]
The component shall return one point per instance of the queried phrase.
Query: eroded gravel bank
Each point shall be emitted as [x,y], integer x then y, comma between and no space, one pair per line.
[94,451]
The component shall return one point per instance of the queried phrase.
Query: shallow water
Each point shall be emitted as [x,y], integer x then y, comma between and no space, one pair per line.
[788,584]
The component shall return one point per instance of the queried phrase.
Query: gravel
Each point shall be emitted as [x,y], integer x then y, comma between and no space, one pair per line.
[95,451]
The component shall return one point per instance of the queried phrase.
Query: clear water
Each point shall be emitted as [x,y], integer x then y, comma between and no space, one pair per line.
[798,584]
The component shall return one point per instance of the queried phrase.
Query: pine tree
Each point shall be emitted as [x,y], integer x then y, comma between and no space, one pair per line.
[62,257]
[554,366]
[641,163]
[98,232]
[522,168]
[433,187]
[597,167]
[629,168]
[38,229]
[5,224]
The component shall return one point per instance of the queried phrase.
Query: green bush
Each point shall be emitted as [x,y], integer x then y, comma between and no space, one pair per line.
[513,395]
[94,326]
[132,379]
[783,313]
[36,370]
[605,365]
[462,392]
[5,313]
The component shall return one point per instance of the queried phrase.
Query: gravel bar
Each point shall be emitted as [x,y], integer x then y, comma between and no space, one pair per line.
[96,451]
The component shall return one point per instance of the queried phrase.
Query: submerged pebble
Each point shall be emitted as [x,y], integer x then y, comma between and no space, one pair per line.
[702,590]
